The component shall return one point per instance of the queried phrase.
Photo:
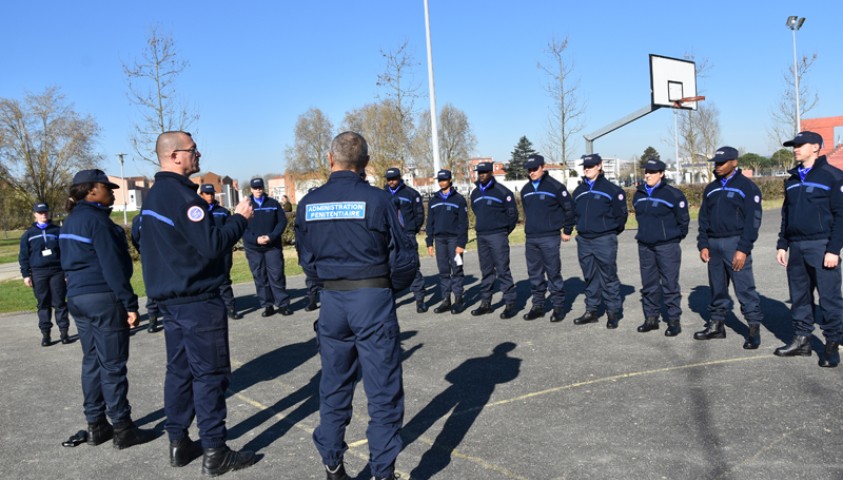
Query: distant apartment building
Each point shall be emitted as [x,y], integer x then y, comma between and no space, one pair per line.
[133,190]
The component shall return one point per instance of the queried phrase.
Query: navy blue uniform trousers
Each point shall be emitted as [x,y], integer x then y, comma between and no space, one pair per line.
[101,322]
[226,292]
[50,291]
[358,331]
[451,275]
[417,287]
[198,370]
[804,273]
[270,283]
[493,253]
[721,251]
[544,266]
[659,265]
[599,262]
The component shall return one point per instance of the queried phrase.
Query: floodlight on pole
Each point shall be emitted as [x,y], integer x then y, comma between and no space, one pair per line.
[434,129]
[794,23]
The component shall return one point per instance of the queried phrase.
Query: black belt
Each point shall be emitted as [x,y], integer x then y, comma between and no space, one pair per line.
[344,285]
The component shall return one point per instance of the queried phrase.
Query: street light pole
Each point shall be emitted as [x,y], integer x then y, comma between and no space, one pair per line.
[434,130]
[123,187]
[794,23]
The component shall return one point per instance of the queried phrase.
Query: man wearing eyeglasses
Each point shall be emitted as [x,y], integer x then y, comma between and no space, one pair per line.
[183,267]
[547,210]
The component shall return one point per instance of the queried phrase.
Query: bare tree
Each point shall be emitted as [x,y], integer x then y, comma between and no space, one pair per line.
[43,143]
[567,110]
[383,129]
[400,94]
[456,142]
[699,136]
[152,88]
[314,132]
[783,116]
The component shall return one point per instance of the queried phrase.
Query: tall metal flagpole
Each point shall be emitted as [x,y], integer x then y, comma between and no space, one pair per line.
[434,129]
[123,187]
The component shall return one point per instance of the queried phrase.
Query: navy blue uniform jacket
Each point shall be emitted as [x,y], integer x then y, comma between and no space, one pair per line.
[349,230]
[813,209]
[494,208]
[182,250]
[32,243]
[662,216]
[269,219]
[548,209]
[729,211]
[95,255]
[410,206]
[600,208]
[447,217]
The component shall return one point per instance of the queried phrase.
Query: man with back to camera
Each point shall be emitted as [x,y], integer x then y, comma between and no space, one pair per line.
[220,215]
[412,213]
[496,216]
[729,219]
[183,267]
[349,236]
[40,267]
[262,242]
[812,230]
[547,210]
[447,235]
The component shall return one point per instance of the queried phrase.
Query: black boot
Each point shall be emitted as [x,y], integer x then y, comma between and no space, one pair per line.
[650,323]
[458,306]
[674,328]
[753,340]
[233,314]
[127,434]
[483,309]
[420,306]
[336,473]
[800,345]
[46,341]
[612,319]
[832,355]
[184,451]
[154,325]
[223,459]
[587,317]
[311,304]
[268,311]
[99,432]
[536,312]
[713,329]
[65,338]
[443,307]
[558,315]
[509,311]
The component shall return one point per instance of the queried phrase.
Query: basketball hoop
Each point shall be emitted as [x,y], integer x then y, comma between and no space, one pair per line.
[678,103]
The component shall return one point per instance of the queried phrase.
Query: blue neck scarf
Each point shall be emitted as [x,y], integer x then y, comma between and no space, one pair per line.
[724,180]
[590,183]
[42,226]
[259,201]
[483,188]
[650,189]
[803,172]
[445,196]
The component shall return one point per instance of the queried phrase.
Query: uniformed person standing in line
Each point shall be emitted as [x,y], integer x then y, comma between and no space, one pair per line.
[547,210]
[40,266]
[349,236]
[447,228]
[262,242]
[183,267]
[601,211]
[662,214]
[412,213]
[496,216]
[152,310]
[220,215]
[730,216]
[812,229]
[95,259]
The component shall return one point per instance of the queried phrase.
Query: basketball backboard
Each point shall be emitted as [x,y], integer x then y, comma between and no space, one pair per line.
[672,79]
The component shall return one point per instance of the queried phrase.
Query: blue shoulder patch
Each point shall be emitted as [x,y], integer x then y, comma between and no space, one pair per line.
[335,211]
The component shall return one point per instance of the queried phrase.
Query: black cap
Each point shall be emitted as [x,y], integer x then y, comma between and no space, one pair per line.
[484,167]
[724,154]
[392,173]
[443,175]
[591,160]
[655,165]
[41,208]
[802,138]
[534,161]
[93,176]
[207,188]
[256,183]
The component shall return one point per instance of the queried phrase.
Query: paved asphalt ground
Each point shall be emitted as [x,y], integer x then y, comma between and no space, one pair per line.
[485,398]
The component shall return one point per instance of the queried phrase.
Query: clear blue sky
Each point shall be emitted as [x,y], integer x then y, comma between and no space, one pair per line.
[255,66]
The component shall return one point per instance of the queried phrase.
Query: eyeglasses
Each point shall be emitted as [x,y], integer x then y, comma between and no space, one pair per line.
[192,151]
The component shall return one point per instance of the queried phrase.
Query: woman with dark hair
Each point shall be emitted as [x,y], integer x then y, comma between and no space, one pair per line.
[96,261]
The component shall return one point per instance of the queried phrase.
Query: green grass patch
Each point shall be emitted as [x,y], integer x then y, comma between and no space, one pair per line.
[16,297]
